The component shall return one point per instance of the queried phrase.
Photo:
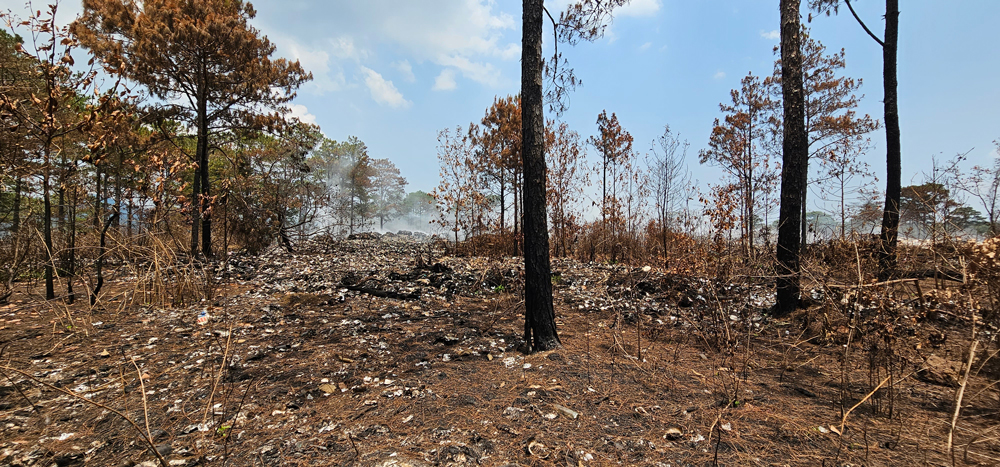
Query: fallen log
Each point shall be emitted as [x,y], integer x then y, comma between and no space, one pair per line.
[382,293]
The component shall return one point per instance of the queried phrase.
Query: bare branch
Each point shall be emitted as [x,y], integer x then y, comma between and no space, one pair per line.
[862,23]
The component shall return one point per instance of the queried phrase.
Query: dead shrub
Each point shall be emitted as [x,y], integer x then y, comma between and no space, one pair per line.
[493,245]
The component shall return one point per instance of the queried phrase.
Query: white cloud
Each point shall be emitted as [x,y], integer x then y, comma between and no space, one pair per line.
[511,52]
[471,36]
[406,70]
[383,91]
[465,27]
[645,46]
[343,47]
[465,35]
[639,8]
[445,81]
[315,61]
[480,72]
[302,113]
[771,35]
[634,8]
[719,75]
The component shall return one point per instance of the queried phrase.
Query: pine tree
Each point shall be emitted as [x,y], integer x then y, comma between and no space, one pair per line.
[889,234]
[795,156]
[387,190]
[742,144]
[207,65]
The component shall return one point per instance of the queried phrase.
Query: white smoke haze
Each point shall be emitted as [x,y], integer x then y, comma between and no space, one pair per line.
[361,194]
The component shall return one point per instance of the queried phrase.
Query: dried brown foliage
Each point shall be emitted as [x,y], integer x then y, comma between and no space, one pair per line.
[209,67]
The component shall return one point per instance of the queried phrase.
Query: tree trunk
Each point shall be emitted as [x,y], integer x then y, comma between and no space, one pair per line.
[795,154]
[539,316]
[61,199]
[128,222]
[843,213]
[503,202]
[71,247]
[50,289]
[97,198]
[206,213]
[518,215]
[802,204]
[890,214]
[604,192]
[118,188]
[15,225]
[195,209]
[350,227]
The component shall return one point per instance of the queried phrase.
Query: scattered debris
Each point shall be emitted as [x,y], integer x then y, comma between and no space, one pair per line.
[381,350]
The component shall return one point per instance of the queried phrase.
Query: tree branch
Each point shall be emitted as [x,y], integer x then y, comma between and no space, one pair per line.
[862,23]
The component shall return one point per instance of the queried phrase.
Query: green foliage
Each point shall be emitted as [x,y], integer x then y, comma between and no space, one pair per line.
[270,191]
[418,203]
[387,188]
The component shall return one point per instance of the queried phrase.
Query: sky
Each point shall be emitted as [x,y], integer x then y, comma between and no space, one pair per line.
[396,72]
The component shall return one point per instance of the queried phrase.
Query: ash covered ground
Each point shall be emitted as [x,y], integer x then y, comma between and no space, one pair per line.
[385,350]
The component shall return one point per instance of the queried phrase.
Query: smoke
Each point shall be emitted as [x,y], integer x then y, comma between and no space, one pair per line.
[415,223]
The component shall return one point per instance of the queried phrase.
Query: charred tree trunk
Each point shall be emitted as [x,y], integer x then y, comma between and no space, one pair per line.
[539,316]
[890,214]
[50,288]
[206,212]
[71,246]
[15,225]
[98,202]
[99,264]
[118,188]
[802,202]
[795,155]
[503,201]
[195,209]
[61,199]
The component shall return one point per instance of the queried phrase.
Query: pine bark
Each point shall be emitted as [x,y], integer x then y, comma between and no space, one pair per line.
[206,213]
[16,222]
[195,209]
[889,235]
[50,289]
[539,316]
[71,247]
[795,155]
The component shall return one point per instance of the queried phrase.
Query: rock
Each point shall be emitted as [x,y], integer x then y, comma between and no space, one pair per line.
[398,462]
[937,370]
[567,411]
[673,433]
[164,449]
[364,236]
[69,459]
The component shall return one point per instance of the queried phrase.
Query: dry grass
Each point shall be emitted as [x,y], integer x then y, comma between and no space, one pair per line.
[440,380]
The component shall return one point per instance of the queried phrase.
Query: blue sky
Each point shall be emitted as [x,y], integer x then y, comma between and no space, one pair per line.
[395,72]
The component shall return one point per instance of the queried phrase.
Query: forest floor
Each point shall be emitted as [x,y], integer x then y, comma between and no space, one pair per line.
[387,352]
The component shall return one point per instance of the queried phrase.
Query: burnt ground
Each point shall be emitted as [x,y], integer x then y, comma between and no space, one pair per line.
[382,352]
